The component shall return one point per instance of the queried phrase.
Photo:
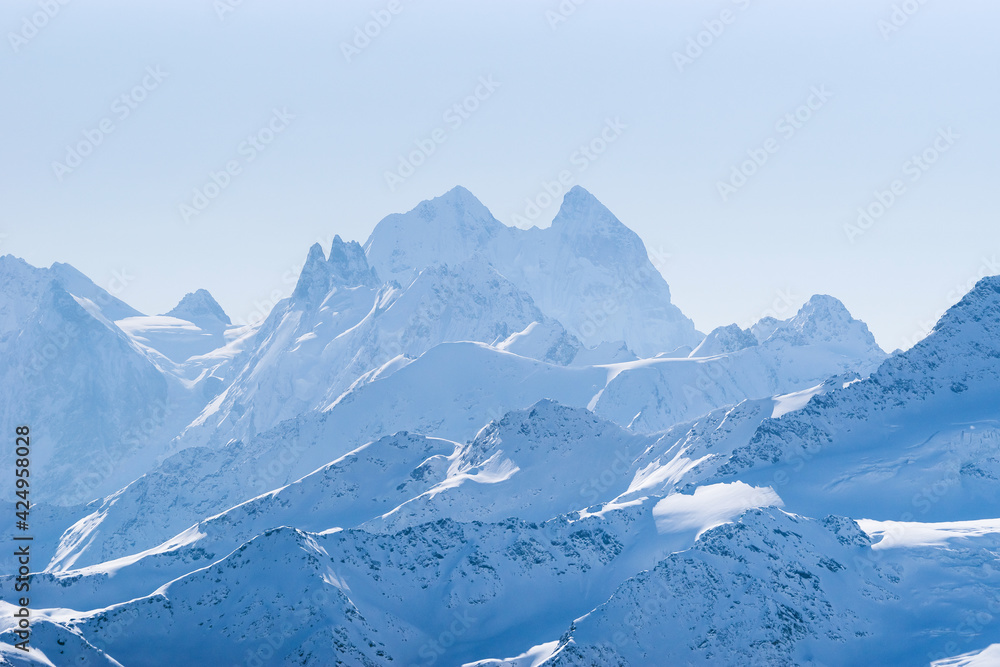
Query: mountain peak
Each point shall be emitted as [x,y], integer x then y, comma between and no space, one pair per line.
[201,308]
[346,266]
[765,327]
[547,426]
[316,253]
[349,266]
[820,314]
[723,340]
[549,419]
[13,267]
[581,208]
[447,229]
[825,305]
[586,259]
[458,193]
[825,320]
[581,196]
[19,277]
[960,355]
[593,231]
[314,280]
[457,202]
[965,342]
[980,308]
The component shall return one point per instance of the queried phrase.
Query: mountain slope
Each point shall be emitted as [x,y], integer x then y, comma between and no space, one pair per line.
[341,325]
[531,464]
[587,270]
[771,588]
[820,341]
[99,408]
[275,598]
[443,448]
[917,439]
[473,383]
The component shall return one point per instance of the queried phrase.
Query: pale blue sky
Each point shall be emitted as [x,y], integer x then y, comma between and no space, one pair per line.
[780,234]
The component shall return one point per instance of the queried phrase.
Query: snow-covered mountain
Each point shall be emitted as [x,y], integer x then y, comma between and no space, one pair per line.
[202,309]
[196,326]
[481,384]
[769,589]
[587,270]
[820,341]
[100,408]
[917,439]
[463,443]
[526,465]
[341,325]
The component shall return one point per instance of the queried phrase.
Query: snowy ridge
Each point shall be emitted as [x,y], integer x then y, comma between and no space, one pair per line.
[202,309]
[771,588]
[724,340]
[482,383]
[924,426]
[588,270]
[316,345]
[90,443]
[820,341]
[462,442]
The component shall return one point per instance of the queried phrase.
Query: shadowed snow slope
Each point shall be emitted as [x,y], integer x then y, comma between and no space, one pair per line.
[99,407]
[820,341]
[463,442]
[917,439]
[472,383]
[340,325]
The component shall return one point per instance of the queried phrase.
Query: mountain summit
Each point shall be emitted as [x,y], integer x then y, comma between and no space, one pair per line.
[976,318]
[449,229]
[201,308]
[587,270]
[347,266]
[444,448]
[583,218]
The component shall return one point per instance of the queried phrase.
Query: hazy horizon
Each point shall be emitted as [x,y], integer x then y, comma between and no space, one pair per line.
[830,108]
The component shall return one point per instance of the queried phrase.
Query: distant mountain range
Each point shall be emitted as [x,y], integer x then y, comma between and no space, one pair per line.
[464,443]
